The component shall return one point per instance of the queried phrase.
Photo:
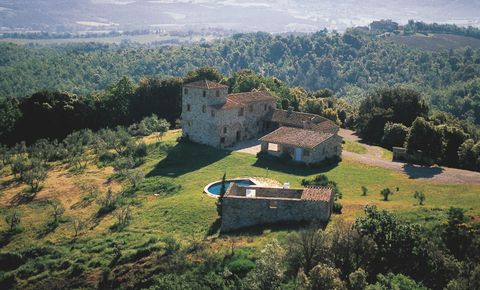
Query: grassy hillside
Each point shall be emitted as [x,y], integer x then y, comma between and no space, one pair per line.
[187,215]
[436,42]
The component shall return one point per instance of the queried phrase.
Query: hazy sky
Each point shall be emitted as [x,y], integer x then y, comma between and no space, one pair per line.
[250,15]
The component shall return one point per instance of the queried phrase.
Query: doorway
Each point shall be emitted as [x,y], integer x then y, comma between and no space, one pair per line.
[239,136]
[298,154]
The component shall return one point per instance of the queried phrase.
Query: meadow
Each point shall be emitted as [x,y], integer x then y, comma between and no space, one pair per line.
[187,215]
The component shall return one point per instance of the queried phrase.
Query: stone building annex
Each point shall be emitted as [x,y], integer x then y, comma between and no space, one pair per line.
[245,207]
[213,117]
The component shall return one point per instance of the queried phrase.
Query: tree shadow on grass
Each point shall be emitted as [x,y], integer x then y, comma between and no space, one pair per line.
[187,157]
[22,197]
[420,171]
[290,167]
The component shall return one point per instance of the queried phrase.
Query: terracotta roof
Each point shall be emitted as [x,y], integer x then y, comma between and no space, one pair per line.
[316,193]
[241,99]
[298,119]
[297,137]
[227,105]
[250,97]
[205,84]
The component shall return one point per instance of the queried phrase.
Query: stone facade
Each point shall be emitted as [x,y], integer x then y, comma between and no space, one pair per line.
[244,207]
[213,117]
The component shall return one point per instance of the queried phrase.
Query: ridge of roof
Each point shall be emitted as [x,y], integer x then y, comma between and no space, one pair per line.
[205,84]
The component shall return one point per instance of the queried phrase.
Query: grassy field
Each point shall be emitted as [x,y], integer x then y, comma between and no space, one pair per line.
[354,147]
[188,214]
[436,42]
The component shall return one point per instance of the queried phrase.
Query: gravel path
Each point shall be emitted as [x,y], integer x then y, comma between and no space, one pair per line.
[430,173]
[373,157]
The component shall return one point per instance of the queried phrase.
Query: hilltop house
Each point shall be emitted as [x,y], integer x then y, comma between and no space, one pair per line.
[213,117]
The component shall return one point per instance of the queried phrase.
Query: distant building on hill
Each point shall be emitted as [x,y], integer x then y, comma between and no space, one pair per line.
[213,117]
[384,25]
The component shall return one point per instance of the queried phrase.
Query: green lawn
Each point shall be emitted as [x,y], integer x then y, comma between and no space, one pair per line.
[190,215]
[354,147]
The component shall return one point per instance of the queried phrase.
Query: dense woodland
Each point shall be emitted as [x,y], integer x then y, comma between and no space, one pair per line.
[348,64]
[392,95]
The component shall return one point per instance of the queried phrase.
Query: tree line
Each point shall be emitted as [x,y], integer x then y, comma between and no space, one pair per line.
[399,116]
[349,64]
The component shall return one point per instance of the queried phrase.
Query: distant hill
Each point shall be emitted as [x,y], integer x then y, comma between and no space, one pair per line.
[436,42]
[239,15]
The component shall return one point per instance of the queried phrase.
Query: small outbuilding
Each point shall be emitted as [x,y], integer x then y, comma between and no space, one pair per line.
[244,207]
[302,145]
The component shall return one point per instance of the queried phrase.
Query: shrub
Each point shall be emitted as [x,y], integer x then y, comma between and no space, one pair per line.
[241,266]
[394,135]
[337,207]
[386,192]
[420,196]
[10,261]
[171,245]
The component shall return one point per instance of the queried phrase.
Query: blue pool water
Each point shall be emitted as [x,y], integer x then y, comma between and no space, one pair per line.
[215,188]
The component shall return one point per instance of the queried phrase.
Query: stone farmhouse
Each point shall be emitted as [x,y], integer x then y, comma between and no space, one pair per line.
[244,207]
[213,117]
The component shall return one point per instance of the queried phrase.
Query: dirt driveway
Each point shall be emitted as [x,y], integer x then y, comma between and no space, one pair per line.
[431,173]
[373,157]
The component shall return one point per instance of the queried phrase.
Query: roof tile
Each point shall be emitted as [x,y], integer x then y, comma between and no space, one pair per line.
[205,84]
[296,137]
[317,193]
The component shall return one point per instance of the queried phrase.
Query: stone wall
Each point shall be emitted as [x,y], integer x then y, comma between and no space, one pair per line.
[224,127]
[243,212]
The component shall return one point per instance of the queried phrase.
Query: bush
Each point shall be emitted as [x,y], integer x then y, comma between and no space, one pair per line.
[337,207]
[394,135]
[241,266]
[10,261]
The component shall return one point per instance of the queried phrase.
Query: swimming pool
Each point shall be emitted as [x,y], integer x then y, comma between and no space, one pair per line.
[214,188]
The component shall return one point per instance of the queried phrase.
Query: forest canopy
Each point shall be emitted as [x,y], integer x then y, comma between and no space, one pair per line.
[348,64]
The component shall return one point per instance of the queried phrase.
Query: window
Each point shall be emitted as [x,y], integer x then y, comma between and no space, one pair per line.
[273,204]
[222,140]
[224,130]
[204,94]
[336,148]
[213,113]
[189,108]
[240,112]
[306,152]
[217,93]
[323,151]
[251,108]
[185,91]
[265,107]
[204,108]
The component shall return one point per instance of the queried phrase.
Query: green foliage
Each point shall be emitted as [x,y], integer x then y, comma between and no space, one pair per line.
[394,135]
[426,137]
[357,280]
[323,276]
[398,281]
[386,192]
[469,154]
[269,270]
[223,190]
[9,114]
[13,220]
[420,196]
[397,105]
[322,180]
[364,190]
